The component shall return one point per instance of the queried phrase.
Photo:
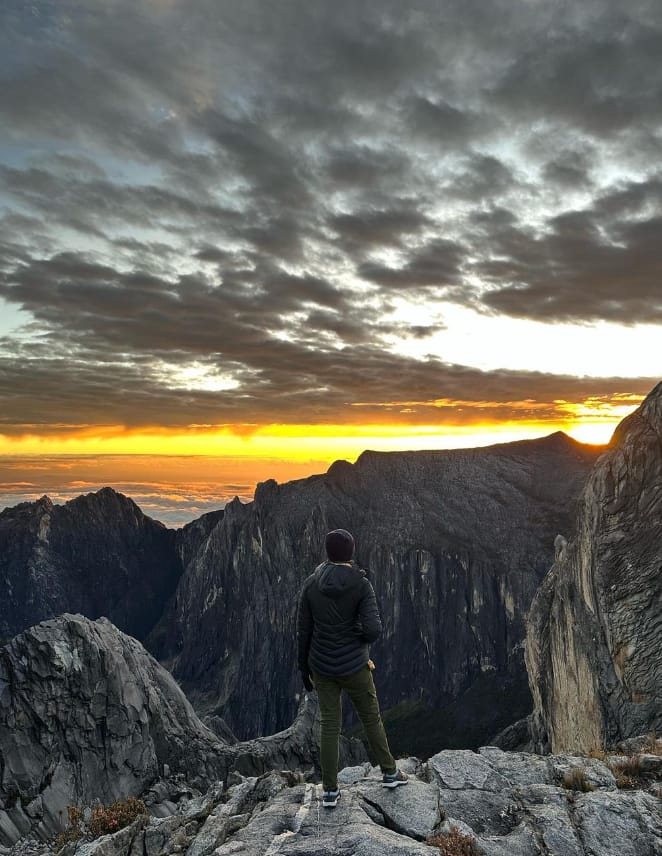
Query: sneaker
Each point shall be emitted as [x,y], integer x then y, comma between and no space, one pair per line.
[392,780]
[330,798]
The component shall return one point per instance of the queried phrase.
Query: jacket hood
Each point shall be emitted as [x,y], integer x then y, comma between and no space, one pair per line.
[334,579]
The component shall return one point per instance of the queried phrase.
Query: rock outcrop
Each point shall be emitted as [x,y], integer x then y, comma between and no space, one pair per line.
[97,555]
[86,713]
[456,543]
[594,641]
[507,804]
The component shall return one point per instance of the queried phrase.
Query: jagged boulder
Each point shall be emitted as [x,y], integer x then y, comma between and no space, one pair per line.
[97,555]
[594,639]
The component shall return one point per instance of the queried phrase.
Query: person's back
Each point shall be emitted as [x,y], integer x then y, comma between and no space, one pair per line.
[345,618]
[337,620]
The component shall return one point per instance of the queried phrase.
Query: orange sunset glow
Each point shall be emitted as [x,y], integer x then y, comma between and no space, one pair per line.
[179,474]
[297,443]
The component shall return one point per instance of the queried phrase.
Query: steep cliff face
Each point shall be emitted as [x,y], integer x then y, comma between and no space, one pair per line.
[456,544]
[97,555]
[594,640]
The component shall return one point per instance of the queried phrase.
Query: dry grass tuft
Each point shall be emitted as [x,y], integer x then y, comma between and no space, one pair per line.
[576,780]
[74,830]
[627,773]
[598,754]
[455,843]
[102,821]
[653,744]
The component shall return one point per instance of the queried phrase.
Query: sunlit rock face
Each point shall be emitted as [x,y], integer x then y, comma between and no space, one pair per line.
[97,555]
[594,640]
[456,544]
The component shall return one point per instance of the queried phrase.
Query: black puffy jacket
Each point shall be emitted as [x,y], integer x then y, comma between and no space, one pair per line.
[337,620]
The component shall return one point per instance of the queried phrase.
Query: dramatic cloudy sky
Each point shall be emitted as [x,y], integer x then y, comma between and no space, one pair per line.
[292,230]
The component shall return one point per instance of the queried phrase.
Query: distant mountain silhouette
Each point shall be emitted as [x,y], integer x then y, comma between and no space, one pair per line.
[97,555]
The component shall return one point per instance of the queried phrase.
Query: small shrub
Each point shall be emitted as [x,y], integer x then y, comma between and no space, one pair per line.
[598,754]
[102,821]
[73,832]
[455,843]
[627,773]
[116,816]
[576,780]
[652,746]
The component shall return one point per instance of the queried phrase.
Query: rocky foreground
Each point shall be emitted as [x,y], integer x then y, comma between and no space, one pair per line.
[504,803]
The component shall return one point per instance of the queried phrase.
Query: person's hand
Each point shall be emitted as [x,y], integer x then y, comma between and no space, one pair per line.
[307,682]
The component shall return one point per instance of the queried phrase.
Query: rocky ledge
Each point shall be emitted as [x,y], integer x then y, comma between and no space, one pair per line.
[505,803]
[86,713]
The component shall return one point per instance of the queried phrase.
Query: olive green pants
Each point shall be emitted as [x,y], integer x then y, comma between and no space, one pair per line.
[361,690]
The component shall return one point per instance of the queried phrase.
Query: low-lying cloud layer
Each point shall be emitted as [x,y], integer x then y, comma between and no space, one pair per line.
[172,489]
[223,213]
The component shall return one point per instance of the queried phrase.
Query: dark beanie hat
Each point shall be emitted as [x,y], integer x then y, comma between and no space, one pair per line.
[339,546]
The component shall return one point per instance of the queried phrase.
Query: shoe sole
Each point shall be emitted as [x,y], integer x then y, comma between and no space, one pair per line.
[394,784]
[331,804]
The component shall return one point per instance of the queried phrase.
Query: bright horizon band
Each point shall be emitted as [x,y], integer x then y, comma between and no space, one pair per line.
[296,442]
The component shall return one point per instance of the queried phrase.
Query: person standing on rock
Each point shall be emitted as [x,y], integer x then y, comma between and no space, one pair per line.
[337,620]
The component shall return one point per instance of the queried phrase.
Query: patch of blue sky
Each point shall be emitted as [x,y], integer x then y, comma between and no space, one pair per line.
[29,30]
[123,171]
[21,153]
[12,319]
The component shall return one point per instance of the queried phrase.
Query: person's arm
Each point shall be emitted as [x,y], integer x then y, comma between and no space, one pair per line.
[304,633]
[371,623]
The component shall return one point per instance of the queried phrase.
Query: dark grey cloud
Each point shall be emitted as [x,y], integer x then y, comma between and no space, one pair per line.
[596,70]
[361,166]
[255,187]
[296,383]
[440,122]
[569,169]
[363,230]
[483,178]
[437,263]
[600,263]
